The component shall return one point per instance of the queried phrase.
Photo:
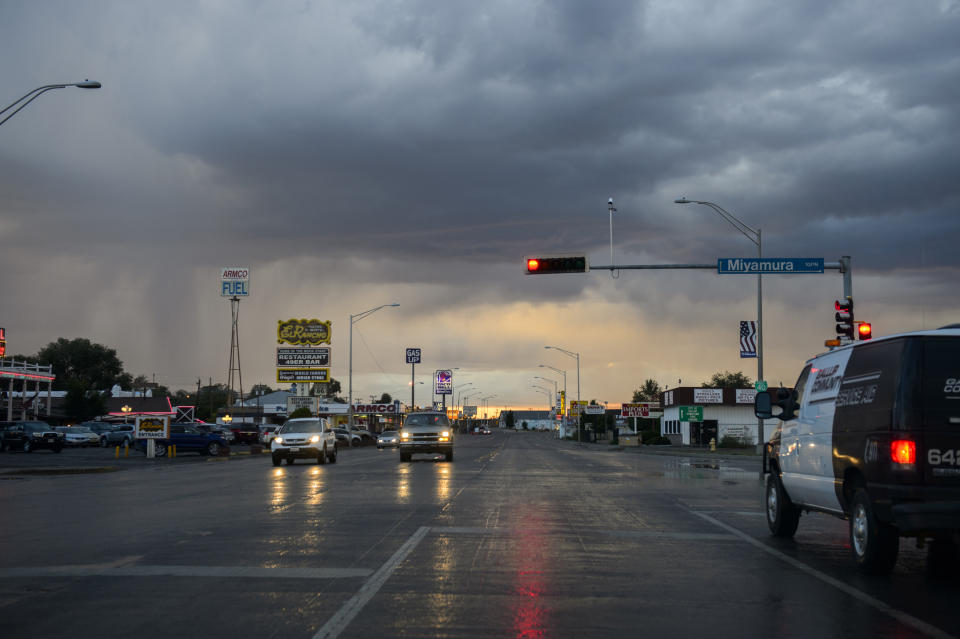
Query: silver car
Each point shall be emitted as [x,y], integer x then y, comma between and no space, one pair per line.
[388,439]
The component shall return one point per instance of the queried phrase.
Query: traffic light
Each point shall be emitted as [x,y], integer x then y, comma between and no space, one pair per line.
[557,264]
[865,330]
[844,317]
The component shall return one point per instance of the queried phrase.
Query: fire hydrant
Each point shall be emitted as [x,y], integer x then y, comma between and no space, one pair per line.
[713,444]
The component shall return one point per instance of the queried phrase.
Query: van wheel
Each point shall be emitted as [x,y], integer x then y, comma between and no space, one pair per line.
[333,456]
[322,457]
[874,544]
[782,516]
[276,460]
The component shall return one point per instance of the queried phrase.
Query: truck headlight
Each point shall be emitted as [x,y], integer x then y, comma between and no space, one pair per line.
[404,435]
[445,433]
[278,439]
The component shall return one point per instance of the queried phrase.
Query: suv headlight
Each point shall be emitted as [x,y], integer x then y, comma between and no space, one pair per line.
[404,435]
[315,439]
[278,439]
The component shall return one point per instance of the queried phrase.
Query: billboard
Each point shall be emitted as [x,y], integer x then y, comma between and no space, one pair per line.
[443,382]
[314,375]
[303,332]
[303,357]
[235,281]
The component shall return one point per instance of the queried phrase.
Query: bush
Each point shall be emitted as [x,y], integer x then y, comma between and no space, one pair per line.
[303,411]
[733,441]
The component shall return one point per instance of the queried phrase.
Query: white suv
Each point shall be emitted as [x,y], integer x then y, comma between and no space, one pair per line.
[308,438]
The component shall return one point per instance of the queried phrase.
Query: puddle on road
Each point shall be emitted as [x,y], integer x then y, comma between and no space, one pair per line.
[685,468]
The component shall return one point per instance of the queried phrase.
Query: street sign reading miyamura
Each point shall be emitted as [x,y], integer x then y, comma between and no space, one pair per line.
[303,332]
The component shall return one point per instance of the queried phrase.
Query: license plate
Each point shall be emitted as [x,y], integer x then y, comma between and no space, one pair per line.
[294,449]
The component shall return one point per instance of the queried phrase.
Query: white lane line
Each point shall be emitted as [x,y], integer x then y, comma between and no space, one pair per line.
[903,617]
[256,572]
[339,622]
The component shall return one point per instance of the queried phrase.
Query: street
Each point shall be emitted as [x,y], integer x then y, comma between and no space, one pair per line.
[521,535]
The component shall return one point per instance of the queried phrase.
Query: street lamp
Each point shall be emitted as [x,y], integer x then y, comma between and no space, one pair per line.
[563,409]
[754,236]
[576,356]
[485,405]
[553,400]
[460,392]
[36,93]
[353,320]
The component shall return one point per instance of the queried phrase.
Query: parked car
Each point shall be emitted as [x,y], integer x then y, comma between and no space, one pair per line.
[308,438]
[869,433]
[388,439]
[366,437]
[28,436]
[100,428]
[267,433]
[346,438]
[221,429]
[244,433]
[189,439]
[78,436]
[121,435]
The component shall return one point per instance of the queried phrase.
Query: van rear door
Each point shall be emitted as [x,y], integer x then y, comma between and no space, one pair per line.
[940,411]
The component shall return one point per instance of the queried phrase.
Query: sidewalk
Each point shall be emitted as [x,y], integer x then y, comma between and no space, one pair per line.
[676,451]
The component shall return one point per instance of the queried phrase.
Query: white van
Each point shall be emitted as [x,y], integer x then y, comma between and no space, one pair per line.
[871,432]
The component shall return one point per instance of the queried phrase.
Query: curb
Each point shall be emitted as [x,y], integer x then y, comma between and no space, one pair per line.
[62,471]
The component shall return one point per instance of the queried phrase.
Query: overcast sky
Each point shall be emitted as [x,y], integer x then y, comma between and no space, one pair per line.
[359,153]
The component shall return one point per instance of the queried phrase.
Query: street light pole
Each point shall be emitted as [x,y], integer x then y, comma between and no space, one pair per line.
[579,407]
[353,320]
[754,235]
[553,400]
[36,93]
[563,408]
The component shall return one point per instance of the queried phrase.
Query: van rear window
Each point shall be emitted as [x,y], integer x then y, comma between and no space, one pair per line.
[941,383]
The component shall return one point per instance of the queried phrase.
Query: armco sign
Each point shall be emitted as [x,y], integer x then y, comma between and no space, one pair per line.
[375,409]
[235,281]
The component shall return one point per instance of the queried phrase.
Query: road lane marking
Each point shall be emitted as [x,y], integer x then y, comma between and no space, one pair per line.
[901,616]
[338,622]
[255,572]
[632,534]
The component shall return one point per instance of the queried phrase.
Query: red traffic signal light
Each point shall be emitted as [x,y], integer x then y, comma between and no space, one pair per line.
[865,330]
[557,264]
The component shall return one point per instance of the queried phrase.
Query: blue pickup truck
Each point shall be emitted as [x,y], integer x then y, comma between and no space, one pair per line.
[189,439]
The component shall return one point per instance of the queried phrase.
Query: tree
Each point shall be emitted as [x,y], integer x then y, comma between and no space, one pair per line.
[82,403]
[510,420]
[649,392]
[303,411]
[385,399]
[92,365]
[726,379]
[260,389]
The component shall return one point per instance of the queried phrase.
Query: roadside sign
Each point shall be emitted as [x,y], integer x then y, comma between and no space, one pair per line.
[303,332]
[691,413]
[594,409]
[760,386]
[443,382]
[152,427]
[303,357]
[235,281]
[770,265]
[640,409]
[413,356]
[315,375]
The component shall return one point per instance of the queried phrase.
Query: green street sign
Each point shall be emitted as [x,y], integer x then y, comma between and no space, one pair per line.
[760,386]
[691,413]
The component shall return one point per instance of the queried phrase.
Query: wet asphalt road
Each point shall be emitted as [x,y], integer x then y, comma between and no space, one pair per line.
[521,536]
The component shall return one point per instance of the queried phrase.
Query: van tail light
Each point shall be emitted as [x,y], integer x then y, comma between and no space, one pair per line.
[903,451]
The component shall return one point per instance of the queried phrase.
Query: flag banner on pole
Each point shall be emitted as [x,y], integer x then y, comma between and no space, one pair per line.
[748,339]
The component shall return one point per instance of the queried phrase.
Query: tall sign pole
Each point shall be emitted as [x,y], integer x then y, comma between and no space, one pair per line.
[234,284]
[413,358]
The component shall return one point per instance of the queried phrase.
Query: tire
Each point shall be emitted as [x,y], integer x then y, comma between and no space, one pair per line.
[160,449]
[354,443]
[333,457]
[874,544]
[322,457]
[450,456]
[782,516]
[27,446]
[213,449]
[276,460]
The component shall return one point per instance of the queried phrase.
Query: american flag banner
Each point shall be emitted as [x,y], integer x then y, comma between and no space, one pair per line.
[748,339]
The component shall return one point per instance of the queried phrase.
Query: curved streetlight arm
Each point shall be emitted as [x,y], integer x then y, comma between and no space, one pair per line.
[36,93]
[359,316]
[751,234]
[353,320]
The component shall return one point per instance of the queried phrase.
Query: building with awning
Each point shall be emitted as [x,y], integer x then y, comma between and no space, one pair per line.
[16,375]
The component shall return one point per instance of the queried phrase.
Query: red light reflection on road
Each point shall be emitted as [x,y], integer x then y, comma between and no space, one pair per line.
[530,614]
